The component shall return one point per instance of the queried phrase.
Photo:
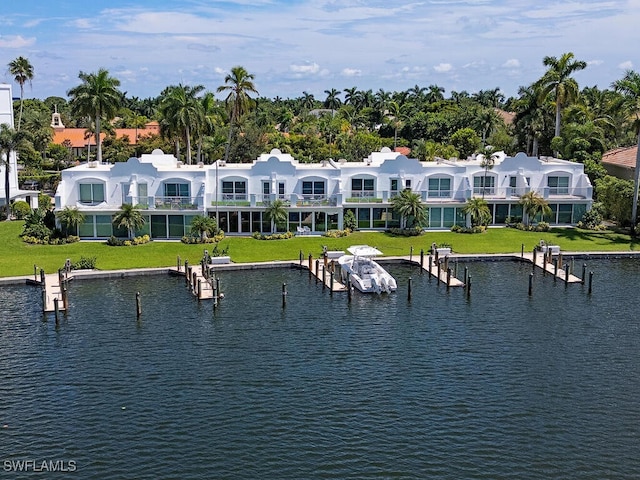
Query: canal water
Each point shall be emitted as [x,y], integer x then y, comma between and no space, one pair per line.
[494,385]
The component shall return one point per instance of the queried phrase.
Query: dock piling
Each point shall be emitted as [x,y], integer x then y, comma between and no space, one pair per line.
[284,294]
[409,289]
[590,281]
[530,283]
[138,305]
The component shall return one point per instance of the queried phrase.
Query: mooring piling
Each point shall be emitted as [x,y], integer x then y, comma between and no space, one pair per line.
[530,283]
[284,294]
[409,289]
[138,305]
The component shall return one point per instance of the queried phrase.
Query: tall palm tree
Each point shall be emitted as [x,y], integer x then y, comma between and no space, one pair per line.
[96,97]
[10,141]
[184,111]
[22,72]
[409,206]
[332,101]
[276,213]
[488,162]
[629,86]
[534,205]
[70,218]
[478,211]
[129,217]
[557,79]
[239,84]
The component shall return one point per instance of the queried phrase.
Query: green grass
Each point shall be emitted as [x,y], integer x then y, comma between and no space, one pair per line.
[18,258]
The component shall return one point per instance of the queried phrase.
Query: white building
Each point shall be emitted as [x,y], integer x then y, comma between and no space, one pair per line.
[6,117]
[316,195]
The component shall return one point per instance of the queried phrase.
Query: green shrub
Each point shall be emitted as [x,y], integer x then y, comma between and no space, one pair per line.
[337,233]
[20,209]
[273,236]
[474,229]
[85,263]
[114,241]
[407,232]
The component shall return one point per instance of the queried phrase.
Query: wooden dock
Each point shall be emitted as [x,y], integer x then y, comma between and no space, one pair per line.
[200,284]
[53,297]
[322,271]
[554,266]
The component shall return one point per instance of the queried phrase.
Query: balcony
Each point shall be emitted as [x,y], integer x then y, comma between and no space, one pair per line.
[175,203]
[364,196]
[232,199]
[315,200]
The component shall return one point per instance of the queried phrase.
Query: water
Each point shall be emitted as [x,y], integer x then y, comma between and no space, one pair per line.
[499,385]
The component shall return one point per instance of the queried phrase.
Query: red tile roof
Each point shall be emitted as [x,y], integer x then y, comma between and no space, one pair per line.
[403,151]
[77,135]
[622,157]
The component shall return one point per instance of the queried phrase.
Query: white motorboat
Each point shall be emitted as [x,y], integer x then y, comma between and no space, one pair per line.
[364,273]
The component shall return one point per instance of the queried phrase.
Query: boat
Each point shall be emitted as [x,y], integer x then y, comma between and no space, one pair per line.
[363,272]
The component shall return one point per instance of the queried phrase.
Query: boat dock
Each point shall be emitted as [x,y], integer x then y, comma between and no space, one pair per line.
[54,290]
[199,280]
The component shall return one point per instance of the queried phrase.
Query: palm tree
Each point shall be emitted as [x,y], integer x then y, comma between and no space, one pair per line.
[129,217]
[478,211]
[409,206]
[184,111]
[276,213]
[96,97]
[534,205]
[629,86]
[22,72]
[557,79]
[488,161]
[10,141]
[332,101]
[70,218]
[203,226]
[239,84]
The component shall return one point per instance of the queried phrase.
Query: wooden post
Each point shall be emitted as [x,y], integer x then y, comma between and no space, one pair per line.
[326,259]
[535,254]
[324,275]
[317,269]
[199,288]
[409,289]
[448,278]
[438,270]
[179,262]
[421,259]
[301,257]
[218,285]
[522,251]
[331,280]
[138,305]
[590,281]
[186,271]
[566,274]
[284,295]
[35,272]
[215,294]
[466,275]
[60,278]
[555,268]
[56,309]
[469,286]
[44,301]
[349,286]
[193,284]
[455,268]
[310,263]
[560,259]
[411,253]
[530,283]
[430,263]
[544,263]
[42,280]
[584,272]
[65,298]
[446,262]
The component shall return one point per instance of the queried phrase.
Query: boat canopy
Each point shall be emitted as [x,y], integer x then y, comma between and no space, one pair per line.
[363,251]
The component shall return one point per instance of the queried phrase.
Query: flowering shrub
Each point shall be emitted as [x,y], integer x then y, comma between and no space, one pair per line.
[273,236]
[474,229]
[116,242]
[337,233]
[47,240]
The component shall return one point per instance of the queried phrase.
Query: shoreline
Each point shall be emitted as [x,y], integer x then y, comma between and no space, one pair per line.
[475,257]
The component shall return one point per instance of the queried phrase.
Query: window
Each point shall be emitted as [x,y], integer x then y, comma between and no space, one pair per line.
[394,185]
[484,185]
[234,190]
[143,198]
[176,189]
[266,188]
[281,189]
[313,188]
[407,184]
[91,193]
[558,185]
[362,187]
[439,187]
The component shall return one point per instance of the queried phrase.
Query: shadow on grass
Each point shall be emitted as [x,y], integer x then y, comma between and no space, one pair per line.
[605,236]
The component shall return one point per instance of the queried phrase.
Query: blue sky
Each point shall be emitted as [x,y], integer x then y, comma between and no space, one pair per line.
[311,46]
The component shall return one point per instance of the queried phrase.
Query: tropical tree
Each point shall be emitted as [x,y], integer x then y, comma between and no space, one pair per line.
[184,112]
[22,72]
[333,100]
[10,141]
[96,97]
[408,205]
[276,213]
[629,86]
[487,162]
[239,84]
[534,205]
[203,226]
[478,211]
[557,80]
[70,219]
[129,217]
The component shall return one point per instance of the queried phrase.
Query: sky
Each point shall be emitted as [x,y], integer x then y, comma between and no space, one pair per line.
[296,46]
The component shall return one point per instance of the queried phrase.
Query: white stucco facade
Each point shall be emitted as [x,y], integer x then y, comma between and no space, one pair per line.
[316,195]
[6,117]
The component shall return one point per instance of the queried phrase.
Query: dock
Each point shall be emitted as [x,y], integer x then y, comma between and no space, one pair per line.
[199,281]
[553,264]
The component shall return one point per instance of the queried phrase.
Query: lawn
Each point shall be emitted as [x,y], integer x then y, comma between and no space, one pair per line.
[19,258]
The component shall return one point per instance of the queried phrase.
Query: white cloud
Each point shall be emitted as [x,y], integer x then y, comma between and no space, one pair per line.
[16,41]
[511,63]
[351,72]
[628,65]
[306,69]
[443,67]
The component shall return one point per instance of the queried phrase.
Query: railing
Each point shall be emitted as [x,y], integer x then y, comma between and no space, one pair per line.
[439,193]
[175,203]
[364,196]
[315,200]
[230,199]
[266,199]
